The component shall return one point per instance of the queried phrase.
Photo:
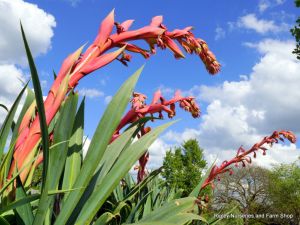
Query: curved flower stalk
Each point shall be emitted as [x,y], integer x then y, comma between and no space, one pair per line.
[243,156]
[139,109]
[78,64]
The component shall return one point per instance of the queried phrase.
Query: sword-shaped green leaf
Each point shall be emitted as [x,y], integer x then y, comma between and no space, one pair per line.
[40,214]
[4,131]
[74,158]
[62,133]
[24,211]
[99,143]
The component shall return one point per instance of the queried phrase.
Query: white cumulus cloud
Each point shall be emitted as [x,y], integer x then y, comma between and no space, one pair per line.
[11,79]
[262,26]
[38,26]
[157,152]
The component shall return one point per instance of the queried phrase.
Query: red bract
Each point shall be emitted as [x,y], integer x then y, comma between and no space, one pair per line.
[243,156]
[139,109]
[78,64]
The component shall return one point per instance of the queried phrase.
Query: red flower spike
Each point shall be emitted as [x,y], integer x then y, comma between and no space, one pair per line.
[243,157]
[159,104]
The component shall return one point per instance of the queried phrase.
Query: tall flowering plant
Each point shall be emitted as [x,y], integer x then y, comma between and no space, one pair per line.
[79,64]
[76,190]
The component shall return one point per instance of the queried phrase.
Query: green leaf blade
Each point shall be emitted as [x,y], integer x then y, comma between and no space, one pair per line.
[74,158]
[24,211]
[100,140]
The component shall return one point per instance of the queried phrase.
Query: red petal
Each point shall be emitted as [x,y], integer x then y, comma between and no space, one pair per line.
[156,21]
[156,97]
[126,24]
[134,48]
[105,29]
[101,61]
[174,47]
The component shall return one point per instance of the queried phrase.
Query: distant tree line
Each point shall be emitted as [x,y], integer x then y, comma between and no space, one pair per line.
[271,195]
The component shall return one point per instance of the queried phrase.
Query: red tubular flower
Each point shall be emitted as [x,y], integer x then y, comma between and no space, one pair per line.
[78,64]
[243,156]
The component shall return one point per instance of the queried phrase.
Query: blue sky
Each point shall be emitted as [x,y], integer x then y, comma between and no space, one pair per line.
[239,105]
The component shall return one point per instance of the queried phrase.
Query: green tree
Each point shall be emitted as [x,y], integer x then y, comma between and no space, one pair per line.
[183,166]
[284,192]
[296,33]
